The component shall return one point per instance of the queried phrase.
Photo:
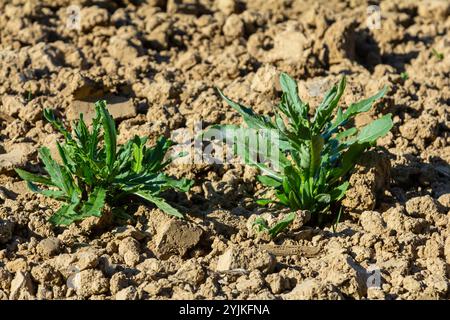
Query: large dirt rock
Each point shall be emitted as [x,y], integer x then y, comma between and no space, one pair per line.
[176,237]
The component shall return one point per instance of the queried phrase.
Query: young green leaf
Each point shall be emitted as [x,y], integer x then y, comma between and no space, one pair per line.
[269,181]
[160,203]
[376,129]
[283,224]
[110,134]
[278,227]
[30,177]
[289,87]
[251,119]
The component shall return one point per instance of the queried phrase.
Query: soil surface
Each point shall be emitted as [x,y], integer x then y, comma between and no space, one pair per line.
[157,62]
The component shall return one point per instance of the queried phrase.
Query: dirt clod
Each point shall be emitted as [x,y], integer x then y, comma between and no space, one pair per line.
[158,64]
[176,237]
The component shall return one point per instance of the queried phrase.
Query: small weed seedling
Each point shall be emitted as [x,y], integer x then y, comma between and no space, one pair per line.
[404,76]
[96,172]
[438,55]
[311,156]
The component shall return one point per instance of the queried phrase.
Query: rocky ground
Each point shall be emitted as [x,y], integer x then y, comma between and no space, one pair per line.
[158,62]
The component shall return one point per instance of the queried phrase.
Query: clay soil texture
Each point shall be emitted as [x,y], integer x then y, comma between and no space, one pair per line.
[158,64]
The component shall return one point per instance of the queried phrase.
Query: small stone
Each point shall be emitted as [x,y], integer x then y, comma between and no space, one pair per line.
[21,287]
[93,16]
[119,107]
[245,259]
[87,259]
[375,294]
[227,6]
[159,287]
[191,272]
[16,157]
[411,284]
[233,27]
[49,247]
[122,50]
[310,289]
[46,275]
[289,46]
[158,37]
[107,265]
[187,60]
[16,265]
[372,221]
[118,282]
[423,206]
[123,232]
[444,200]
[63,263]
[129,249]
[434,9]
[11,105]
[428,208]
[251,283]
[88,282]
[129,293]
[265,79]
[277,283]
[306,289]
[340,39]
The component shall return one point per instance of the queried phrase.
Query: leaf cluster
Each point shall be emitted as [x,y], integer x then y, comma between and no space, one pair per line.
[95,171]
[307,158]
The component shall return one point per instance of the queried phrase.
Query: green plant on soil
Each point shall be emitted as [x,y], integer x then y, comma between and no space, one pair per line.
[95,172]
[438,55]
[310,157]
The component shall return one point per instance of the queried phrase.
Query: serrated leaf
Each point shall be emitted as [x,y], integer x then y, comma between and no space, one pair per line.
[154,157]
[364,105]
[282,224]
[269,181]
[252,119]
[323,198]
[160,203]
[263,202]
[346,133]
[282,197]
[348,162]
[289,87]
[59,176]
[95,203]
[55,194]
[65,215]
[31,177]
[376,129]
[325,110]
[49,115]
[240,140]
[261,224]
[339,192]
[182,185]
